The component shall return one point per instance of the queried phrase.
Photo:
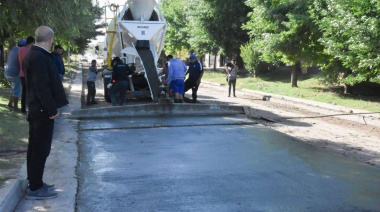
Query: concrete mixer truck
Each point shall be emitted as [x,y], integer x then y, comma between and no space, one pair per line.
[136,34]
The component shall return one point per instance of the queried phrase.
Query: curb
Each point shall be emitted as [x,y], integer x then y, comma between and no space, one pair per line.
[14,191]
[350,114]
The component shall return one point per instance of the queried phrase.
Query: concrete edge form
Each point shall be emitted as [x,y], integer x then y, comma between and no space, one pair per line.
[156,110]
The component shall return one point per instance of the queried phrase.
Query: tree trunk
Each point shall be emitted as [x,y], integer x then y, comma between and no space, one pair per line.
[1,56]
[68,56]
[294,76]
[347,89]
[215,56]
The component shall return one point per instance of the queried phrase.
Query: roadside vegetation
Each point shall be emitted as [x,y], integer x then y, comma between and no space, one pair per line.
[13,139]
[341,37]
[310,87]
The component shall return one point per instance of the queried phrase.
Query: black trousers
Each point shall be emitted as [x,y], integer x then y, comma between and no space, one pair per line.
[189,83]
[233,83]
[91,91]
[40,139]
[23,95]
[118,92]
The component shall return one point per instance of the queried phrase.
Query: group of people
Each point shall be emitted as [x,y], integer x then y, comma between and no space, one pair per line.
[36,74]
[15,75]
[176,71]
[118,85]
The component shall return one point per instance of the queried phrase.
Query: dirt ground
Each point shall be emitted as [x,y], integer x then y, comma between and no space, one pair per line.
[346,131]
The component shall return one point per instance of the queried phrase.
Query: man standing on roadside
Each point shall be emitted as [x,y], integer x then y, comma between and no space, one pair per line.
[176,77]
[195,75]
[45,94]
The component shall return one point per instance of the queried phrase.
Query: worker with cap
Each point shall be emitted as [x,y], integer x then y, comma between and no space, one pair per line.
[12,72]
[195,72]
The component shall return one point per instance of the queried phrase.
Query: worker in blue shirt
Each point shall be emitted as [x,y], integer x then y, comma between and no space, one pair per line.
[195,72]
[176,77]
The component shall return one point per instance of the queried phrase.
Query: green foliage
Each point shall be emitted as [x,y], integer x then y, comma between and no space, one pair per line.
[334,72]
[351,34]
[72,20]
[251,57]
[283,31]
[222,22]
[177,33]
[205,26]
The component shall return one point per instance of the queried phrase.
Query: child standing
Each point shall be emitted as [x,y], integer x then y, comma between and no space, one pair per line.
[91,78]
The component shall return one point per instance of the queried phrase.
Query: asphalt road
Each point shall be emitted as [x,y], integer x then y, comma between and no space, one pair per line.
[213,163]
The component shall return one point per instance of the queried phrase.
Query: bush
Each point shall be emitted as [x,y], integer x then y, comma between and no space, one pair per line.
[251,58]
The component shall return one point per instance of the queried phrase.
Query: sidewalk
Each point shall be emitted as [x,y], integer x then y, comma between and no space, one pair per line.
[60,165]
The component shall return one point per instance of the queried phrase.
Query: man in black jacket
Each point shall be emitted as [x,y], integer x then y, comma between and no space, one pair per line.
[195,72]
[120,72]
[45,95]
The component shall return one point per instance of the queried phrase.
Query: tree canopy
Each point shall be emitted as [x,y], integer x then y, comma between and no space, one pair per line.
[205,26]
[73,21]
[284,31]
[351,35]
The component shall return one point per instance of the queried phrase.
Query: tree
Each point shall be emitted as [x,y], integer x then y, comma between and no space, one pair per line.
[206,26]
[351,37]
[71,20]
[283,31]
[177,33]
[219,23]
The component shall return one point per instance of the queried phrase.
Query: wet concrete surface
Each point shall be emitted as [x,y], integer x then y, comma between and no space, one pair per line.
[217,163]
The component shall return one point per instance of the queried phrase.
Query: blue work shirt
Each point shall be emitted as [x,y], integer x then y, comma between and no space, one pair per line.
[13,65]
[177,69]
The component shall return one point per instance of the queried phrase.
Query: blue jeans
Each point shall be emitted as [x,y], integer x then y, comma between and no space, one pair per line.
[16,87]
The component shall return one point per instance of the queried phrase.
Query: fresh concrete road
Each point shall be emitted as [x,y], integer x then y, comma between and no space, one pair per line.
[213,163]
